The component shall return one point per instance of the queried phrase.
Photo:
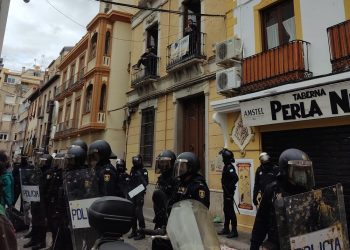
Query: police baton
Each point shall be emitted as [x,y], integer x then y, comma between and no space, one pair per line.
[234,202]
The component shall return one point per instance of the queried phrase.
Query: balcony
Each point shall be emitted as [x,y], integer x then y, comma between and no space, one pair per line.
[72,84]
[66,128]
[101,117]
[281,65]
[339,46]
[185,52]
[145,74]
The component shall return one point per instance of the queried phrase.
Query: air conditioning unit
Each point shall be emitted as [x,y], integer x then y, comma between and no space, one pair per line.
[228,80]
[229,51]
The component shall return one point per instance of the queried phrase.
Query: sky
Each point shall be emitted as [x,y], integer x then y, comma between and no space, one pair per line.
[36,32]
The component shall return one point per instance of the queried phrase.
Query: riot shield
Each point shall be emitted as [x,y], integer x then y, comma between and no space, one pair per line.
[30,179]
[81,190]
[314,220]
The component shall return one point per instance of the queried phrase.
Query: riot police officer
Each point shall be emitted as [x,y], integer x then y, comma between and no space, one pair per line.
[38,209]
[164,187]
[295,176]
[139,176]
[99,154]
[191,185]
[80,143]
[123,178]
[264,175]
[57,216]
[229,179]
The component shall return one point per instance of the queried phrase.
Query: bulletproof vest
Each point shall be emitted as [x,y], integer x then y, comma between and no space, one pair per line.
[189,190]
[166,183]
[139,176]
[107,180]
[266,176]
[229,178]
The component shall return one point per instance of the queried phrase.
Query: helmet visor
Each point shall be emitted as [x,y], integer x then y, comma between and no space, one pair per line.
[69,160]
[37,157]
[300,173]
[93,159]
[163,164]
[136,161]
[58,162]
[181,167]
[42,162]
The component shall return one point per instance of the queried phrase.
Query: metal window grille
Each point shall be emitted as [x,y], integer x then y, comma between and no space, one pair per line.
[147,136]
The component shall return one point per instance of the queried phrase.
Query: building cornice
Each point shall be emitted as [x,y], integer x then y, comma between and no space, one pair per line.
[113,16]
[74,53]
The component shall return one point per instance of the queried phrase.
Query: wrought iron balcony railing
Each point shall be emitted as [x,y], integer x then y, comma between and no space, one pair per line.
[185,49]
[284,64]
[339,46]
[146,72]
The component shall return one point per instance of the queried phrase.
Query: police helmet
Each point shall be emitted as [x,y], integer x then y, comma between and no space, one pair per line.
[38,153]
[120,165]
[296,169]
[264,157]
[99,152]
[165,161]
[137,161]
[186,163]
[227,156]
[75,158]
[80,143]
[45,160]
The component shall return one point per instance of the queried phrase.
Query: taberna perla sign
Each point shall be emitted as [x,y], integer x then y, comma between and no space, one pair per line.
[326,101]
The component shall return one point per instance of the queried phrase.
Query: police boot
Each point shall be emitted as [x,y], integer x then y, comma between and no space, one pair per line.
[132,235]
[233,234]
[224,231]
[39,246]
[140,235]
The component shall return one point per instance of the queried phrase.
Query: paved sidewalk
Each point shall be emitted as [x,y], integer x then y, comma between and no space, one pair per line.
[242,242]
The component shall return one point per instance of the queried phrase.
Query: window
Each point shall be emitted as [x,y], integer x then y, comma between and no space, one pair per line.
[93,45]
[3,137]
[88,98]
[15,137]
[107,42]
[152,38]
[192,7]
[278,24]
[6,118]
[147,136]
[103,98]
[10,99]
[9,79]
[68,106]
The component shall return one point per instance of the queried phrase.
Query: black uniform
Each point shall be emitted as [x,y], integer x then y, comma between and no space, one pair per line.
[107,177]
[194,187]
[138,175]
[264,175]
[229,180]
[287,184]
[123,184]
[164,190]
[58,212]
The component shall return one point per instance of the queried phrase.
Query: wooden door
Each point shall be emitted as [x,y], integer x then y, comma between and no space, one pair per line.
[193,128]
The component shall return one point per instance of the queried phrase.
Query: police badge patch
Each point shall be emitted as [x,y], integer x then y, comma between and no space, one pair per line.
[201,194]
[106,177]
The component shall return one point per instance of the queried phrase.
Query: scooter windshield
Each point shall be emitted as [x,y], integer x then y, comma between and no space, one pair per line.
[190,228]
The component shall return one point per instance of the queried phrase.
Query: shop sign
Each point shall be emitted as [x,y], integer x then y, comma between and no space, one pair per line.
[315,103]
[241,134]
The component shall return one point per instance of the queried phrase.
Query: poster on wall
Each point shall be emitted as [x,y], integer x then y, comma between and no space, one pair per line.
[245,185]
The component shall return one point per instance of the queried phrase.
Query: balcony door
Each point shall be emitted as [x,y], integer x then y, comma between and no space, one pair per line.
[278,24]
[76,113]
